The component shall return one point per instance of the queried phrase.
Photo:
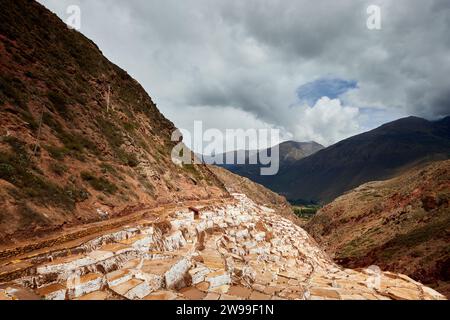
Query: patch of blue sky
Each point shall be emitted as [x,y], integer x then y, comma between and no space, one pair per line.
[332,88]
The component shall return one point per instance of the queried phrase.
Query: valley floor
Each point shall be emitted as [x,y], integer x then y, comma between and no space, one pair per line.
[226,250]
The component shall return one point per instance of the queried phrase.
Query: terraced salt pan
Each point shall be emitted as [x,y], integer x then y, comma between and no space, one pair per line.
[238,251]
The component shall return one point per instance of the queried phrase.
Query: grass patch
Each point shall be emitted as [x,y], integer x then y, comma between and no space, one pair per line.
[130,127]
[59,102]
[57,153]
[355,248]
[107,168]
[126,158]
[192,170]
[17,169]
[12,90]
[28,216]
[58,168]
[77,194]
[308,211]
[417,237]
[149,188]
[99,183]
[111,132]
[74,143]
[115,140]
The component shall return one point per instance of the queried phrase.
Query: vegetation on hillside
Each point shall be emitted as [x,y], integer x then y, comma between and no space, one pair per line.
[65,152]
[402,225]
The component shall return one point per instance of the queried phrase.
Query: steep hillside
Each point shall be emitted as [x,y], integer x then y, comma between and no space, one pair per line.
[375,155]
[401,225]
[80,140]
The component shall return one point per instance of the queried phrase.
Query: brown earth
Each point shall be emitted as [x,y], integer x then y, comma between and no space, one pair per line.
[401,225]
[66,156]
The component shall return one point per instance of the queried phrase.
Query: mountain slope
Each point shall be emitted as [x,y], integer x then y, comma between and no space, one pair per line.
[67,156]
[401,225]
[375,155]
[289,152]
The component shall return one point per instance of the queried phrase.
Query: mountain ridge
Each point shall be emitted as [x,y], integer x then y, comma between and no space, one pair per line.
[401,225]
[377,154]
[289,152]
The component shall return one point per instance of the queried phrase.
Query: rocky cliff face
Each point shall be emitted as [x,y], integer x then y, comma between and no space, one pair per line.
[80,140]
[402,225]
[237,250]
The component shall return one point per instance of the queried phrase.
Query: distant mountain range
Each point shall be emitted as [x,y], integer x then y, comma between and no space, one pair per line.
[310,174]
[289,153]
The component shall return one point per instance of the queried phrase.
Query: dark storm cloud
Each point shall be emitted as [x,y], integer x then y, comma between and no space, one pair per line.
[220,60]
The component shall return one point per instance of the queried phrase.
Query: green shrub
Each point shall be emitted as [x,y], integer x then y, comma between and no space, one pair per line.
[76,142]
[18,169]
[111,132]
[99,184]
[59,102]
[126,158]
[31,185]
[29,216]
[58,168]
[30,74]
[77,194]
[149,188]
[130,127]
[57,153]
[52,123]
[19,148]
[115,140]
[6,171]
[107,168]
[14,91]
[306,211]
[190,168]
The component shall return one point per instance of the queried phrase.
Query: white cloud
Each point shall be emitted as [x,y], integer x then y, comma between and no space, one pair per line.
[326,122]
[206,59]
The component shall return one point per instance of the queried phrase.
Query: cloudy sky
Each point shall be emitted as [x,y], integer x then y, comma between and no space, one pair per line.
[309,68]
